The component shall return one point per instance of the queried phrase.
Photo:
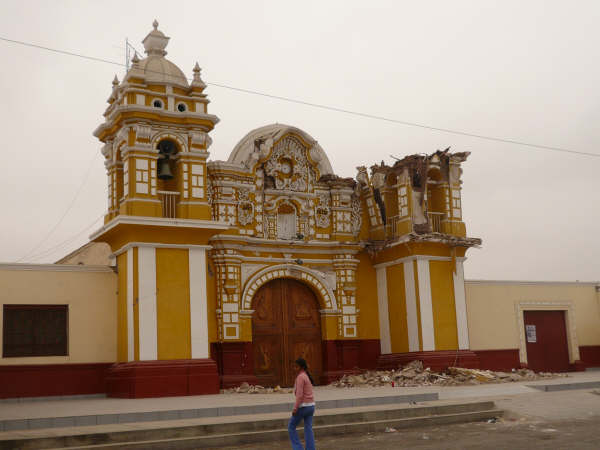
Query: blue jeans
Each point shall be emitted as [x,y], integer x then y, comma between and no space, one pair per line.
[305,413]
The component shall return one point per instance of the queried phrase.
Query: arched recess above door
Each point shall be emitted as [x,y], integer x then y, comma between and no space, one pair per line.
[325,295]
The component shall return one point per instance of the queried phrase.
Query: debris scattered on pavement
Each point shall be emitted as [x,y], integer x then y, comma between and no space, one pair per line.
[246,388]
[390,430]
[413,374]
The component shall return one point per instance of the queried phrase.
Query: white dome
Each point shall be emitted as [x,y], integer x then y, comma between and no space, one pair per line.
[243,152]
[158,69]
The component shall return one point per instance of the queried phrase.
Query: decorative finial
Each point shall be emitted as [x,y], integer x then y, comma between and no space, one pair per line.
[197,81]
[115,81]
[155,42]
[135,58]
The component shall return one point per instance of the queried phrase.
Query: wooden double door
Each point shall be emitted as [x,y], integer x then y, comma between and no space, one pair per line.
[286,325]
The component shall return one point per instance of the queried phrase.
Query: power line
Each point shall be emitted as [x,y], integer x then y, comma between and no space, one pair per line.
[53,229]
[66,242]
[329,108]
[333,108]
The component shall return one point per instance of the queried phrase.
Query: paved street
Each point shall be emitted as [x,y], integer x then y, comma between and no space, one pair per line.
[545,420]
[573,434]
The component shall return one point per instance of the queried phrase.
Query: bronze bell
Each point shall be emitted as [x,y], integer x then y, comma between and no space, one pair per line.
[164,169]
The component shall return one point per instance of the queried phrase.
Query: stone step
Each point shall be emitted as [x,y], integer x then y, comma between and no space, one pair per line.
[153,416]
[249,430]
[565,386]
[234,439]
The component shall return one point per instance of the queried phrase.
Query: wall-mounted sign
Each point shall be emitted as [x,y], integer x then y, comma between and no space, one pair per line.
[530,332]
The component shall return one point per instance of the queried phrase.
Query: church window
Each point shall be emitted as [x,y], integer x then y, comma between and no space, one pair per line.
[181,107]
[286,222]
[157,103]
[34,330]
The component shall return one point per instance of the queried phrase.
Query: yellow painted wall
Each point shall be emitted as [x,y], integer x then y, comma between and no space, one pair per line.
[492,313]
[397,308]
[90,292]
[173,304]
[442,301]
[366,298]
[122,342]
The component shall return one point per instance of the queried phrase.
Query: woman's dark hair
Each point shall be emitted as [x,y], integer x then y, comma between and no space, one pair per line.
[302,364]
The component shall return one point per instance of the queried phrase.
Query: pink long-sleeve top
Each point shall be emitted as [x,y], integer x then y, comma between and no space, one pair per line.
[304,391]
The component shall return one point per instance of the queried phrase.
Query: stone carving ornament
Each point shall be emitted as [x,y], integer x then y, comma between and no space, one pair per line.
[288,165]
[356,215]
[245,207]
[209,192]
[322,211]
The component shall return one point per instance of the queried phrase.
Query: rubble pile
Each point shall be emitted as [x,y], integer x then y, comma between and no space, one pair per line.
[246,388]
[413,374]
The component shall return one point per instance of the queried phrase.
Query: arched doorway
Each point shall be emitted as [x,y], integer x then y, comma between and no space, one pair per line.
[286,324]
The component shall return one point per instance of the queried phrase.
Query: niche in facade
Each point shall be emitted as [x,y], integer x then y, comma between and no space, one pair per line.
[286,221]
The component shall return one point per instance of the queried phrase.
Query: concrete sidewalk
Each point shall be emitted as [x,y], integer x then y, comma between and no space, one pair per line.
[519,401]
[10,410]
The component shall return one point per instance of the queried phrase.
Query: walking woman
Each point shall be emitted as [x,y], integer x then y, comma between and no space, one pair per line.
[304,408]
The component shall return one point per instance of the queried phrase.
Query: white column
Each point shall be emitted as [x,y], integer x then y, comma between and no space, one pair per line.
[460,304]
[412,320]
[148,337]
[130,329]
[384,317]
[198,304]
[425,305]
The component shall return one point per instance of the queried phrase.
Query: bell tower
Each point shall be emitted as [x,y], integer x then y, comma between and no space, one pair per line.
[418,242]
[156,140]
[158,223]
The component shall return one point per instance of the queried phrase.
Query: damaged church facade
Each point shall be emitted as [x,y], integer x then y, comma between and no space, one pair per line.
[270,256]
[227,271]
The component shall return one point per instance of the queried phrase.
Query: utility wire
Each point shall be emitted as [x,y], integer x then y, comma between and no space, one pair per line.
[66,242]
[329,108]
[53,229]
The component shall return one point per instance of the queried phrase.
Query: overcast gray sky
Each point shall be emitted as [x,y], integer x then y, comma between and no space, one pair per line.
[524,70]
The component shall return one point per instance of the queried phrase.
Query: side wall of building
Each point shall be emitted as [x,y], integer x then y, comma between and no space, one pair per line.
[495,318]
[90,293]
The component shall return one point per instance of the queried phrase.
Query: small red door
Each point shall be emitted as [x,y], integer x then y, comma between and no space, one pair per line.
[546,338]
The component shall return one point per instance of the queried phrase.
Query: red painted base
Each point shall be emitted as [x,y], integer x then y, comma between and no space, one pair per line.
[590,355]
[501,360]
[143,379]
[348,357]
[235,362]
[437,360]
[41,380]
